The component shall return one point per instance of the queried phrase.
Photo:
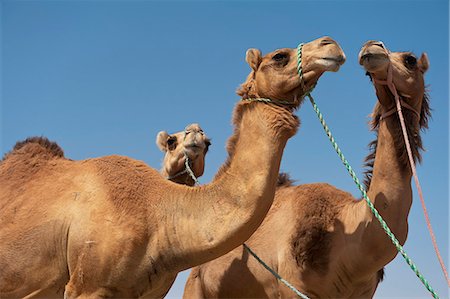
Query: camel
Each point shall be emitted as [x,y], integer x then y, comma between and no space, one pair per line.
[323,241]
[114,227]
[191,144]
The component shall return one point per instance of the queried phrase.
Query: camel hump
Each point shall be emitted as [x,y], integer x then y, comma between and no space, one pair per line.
[284,180]
[37,146]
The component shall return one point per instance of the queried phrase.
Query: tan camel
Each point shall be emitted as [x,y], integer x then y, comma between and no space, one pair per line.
[193,144]
[114,227]
[321,239]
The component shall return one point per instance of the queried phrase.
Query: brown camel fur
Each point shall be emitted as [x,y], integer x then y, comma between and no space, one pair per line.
[321,239]
[114,227]
[191,143]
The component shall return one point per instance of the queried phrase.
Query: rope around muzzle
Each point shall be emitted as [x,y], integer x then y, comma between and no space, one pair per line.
[363,191]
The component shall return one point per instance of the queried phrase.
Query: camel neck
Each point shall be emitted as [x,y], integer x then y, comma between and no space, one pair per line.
[215,218]
[389,165]
[389,190]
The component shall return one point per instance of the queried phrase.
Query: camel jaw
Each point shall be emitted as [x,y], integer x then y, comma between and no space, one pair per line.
[194,149]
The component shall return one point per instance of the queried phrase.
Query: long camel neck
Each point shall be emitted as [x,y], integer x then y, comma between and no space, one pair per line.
[390,191]
[213,219]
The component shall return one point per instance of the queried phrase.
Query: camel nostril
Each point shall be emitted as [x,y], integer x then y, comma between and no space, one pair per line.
[379,44]
[327,41]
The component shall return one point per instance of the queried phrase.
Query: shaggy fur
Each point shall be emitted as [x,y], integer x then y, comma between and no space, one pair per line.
[282,118]
[311,244]
[413,130]
[36,145]
[284,180]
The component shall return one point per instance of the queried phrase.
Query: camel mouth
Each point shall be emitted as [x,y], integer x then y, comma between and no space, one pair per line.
[339,59]
[332,63]
[194,147]
[368,56]
[373,55]
[373,61]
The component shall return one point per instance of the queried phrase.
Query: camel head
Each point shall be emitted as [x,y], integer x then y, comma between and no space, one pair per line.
[407,74]
[191,143]
[275,75]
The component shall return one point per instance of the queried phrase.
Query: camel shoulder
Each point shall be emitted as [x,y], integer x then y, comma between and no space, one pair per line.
[127,180]
[318,207]
[322,192]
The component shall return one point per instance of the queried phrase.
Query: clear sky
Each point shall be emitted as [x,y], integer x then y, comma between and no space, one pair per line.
[104,77]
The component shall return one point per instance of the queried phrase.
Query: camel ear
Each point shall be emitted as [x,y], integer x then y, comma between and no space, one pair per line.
[423,63]
[161,140]
[253,58]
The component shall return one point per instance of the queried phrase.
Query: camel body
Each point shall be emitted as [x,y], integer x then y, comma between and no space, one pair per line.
[84,226]
[114,227]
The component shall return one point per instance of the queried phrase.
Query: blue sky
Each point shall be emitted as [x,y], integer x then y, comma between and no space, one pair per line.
[104,77]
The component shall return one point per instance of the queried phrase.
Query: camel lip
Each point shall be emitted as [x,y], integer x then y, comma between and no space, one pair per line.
[339,59]
[193,146]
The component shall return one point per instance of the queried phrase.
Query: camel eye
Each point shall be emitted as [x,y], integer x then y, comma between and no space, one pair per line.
[410,61]
[279,57]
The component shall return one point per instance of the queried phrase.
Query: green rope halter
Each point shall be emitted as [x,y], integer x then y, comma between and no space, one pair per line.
[362,189]
[266,100]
